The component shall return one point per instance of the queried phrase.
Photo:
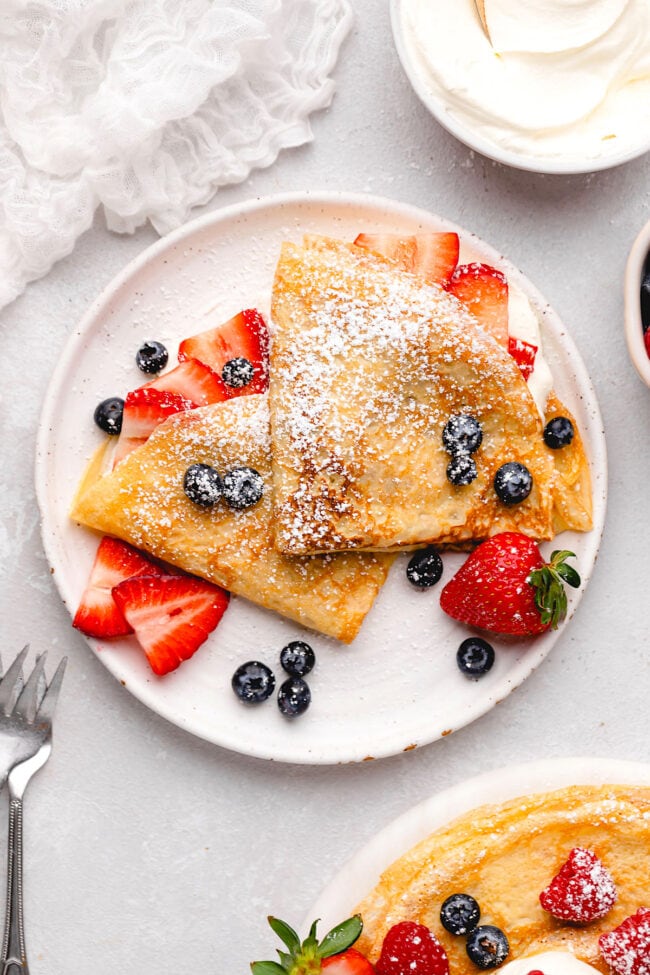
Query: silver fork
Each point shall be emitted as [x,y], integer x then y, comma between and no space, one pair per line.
[26,712]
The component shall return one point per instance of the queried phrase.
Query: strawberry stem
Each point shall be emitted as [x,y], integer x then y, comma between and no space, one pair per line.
[548,583]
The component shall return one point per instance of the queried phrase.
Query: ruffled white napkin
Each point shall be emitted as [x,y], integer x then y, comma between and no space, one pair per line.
[146,107]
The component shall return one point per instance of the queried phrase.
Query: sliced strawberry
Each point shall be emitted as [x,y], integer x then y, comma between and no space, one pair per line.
[172,615]
[484,291]
[433,256]
[193,380]
[646,341]
[524,355]
[505,586]
[145,409]
[115,561]
[582,891]
[350,962]
[243,336]
[411,947]
[626,949]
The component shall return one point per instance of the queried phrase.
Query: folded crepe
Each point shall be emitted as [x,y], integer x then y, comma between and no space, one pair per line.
[368,364]
[504,856]
[142,501]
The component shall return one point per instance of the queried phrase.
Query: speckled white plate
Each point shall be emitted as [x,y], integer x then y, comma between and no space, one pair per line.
[361,873]
[397,686]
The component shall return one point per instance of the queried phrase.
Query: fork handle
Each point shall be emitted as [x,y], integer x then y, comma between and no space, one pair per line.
[14,958]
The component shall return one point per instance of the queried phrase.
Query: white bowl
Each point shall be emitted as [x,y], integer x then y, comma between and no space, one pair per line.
[440,108]
[632,294]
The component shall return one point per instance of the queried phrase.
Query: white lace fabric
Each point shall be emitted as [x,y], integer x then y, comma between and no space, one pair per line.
[145,108]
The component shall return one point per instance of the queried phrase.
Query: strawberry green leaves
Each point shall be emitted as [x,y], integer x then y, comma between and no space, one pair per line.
[305,958]
[548,583]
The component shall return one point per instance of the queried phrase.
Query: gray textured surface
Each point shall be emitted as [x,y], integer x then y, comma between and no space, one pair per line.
[149,851]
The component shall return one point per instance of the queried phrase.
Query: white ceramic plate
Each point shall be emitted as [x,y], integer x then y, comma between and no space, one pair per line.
[397,686]
[360,874]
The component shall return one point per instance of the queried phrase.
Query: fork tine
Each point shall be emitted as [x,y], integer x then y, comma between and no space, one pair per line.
[10,684]
[27,704]
[48,704]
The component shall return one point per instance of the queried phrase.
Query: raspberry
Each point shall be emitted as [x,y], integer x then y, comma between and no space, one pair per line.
[626,949]
[411,949]
[582,891]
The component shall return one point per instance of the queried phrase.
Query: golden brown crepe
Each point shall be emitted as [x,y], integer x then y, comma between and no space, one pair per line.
[504,856]
[142,502]
[367,365]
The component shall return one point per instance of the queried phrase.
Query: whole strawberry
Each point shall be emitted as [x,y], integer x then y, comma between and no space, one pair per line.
[411,949]
[582,891]
[333,954]
[626,949]
[506,587]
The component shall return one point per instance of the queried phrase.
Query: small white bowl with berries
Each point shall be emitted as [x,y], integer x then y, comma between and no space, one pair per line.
[637,304]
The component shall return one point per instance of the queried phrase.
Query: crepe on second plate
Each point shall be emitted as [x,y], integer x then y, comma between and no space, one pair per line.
[504,856]
[142,502]
[367,365]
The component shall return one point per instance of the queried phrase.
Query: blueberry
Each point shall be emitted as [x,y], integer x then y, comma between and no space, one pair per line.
[462,434]
[513,483]
[253,682]
[242,487]
[237,372]
[152,356]
[461,470]
[108,415]
[558,432]
[294,697]
[645,297]
[487,946]
[297,658]
[475,657]
[424,568]
[459,914]
[202,485]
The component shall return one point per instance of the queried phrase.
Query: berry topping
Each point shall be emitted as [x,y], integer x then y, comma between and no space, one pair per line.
[484,291]
[460,914]
[297,658]
[108,415]
[424,568]
[475,657]
[558,432]
[115,561]
[245,336]
[202,485]
[172,615]
[194,381]
[151,357]
[433,256]
[582,891]
[242,487]
[294,697]
[410,947]
[461,470]
[513,482]
[524,355]
[333,954]
[237,372]
[462,434]
[487,946]
[506,587]
[645,297]
[253,682]
[626,949]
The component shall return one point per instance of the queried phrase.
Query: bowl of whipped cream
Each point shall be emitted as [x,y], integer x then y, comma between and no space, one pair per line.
[551,86]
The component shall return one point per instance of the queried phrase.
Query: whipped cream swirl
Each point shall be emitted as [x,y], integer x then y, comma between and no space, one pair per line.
[549,963]
[567,78]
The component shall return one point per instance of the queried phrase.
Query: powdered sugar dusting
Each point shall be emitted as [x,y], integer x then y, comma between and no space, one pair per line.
[368,364]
